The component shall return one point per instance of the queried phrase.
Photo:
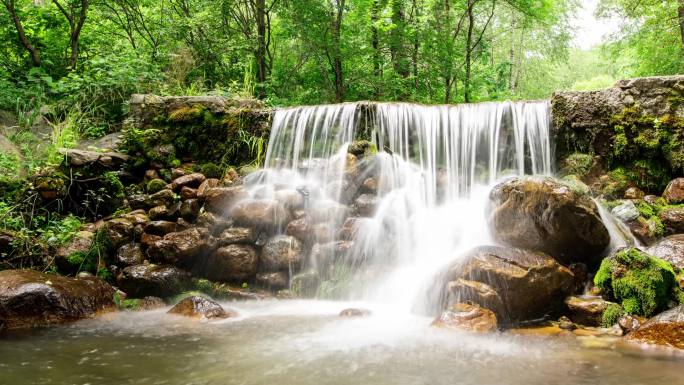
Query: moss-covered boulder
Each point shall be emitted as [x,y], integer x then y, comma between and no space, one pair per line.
[641,283]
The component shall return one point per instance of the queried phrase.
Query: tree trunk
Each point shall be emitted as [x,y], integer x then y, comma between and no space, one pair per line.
[469,48]
[25,42]
[375,42]
[416,44]
[681,22]
[260,53]
[336,61]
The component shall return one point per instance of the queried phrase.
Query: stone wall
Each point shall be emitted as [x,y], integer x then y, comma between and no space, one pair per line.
[205,129]
[634,132]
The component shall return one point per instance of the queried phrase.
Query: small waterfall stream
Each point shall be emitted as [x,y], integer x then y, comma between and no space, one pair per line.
[433,173]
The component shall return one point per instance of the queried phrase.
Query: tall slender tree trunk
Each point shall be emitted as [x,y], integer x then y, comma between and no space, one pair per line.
[469,49]
[416,43]
[336,61]
[260,53]
[448,75]
[375,42]
[25,42]
[681,23]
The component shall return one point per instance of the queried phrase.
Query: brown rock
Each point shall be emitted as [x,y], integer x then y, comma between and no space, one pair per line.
[370,186]
[461,316]
[540,213]
[81,243]
[153,280]
[365,205]
[354,313]
[180,248]
[129,254]
[629,323]
[31,299]
[260,213]
[119,231]
[274,281]
[190,209]
[200,307]
[674,192]
[191,180]
[666,329]
[160,228]
[586,310]
[235,235]
[220,200]
[634,193]
[161,198]
[232,263]
[670,249]
[282,252]
[290,199]
[188,193]
[206,186]
[517,285]
[673,220]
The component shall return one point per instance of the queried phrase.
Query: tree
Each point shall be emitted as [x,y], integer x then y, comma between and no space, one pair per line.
[21,34]
[76,12]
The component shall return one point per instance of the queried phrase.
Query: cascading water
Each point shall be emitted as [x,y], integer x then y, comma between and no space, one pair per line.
[433,172]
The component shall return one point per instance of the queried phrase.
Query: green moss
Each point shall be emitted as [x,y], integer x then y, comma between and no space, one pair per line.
[211,170]
[126,304]
[187,114]
[641,283]
[113,184]
[577,164]
[155,185]
[645,209]
[611,315]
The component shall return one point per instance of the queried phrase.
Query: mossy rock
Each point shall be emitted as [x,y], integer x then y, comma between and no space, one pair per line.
[643,284]
[155,185]
[210,170]
[578,164]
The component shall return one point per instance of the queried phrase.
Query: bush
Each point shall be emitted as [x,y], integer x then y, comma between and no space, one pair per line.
[643,284]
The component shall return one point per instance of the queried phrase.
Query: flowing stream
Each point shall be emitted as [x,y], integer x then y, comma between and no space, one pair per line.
[431,179]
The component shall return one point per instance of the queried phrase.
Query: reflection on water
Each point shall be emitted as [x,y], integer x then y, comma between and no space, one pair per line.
[305,342]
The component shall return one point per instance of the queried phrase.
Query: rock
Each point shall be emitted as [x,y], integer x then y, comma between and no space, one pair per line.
[626,211]
[673,220]
[369,186]
[81,158]
[461,316]
[206,186]
[147,240]
[200,307]
[177,172]
[191,180]
[153,280]
[517,285]
[634,193]
[543,214]
[327,211]
[670,249]
[190,209]
[274,281]
[188,193]
[641,283]
[566,324]
[305,285]
[32,299]
[160,228]
[326,254]
[629,323]
[282,252]
[299,228]
[159,213]
[151,174]
[354,313]
[674,192]
[150,303]
[290,199]
[366,204]
[645,230]
[81,243]
[586,310]
[216,224]
[260,213]
[6,242]
[665,329]
[232,263]
[129,254]
[137,217]
[155,186]
[651,199]
[119,231]
[221,200]
[180,248]
[161,198]
[235,235]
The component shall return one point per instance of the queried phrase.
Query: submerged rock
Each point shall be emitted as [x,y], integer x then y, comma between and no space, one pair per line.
[32,299]
[355,312]
[670,249]
[153,280]
[545,215]
[200,307]
[665,329]
[517,285]
[461,316]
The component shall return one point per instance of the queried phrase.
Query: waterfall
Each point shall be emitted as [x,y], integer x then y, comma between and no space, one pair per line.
[432,174]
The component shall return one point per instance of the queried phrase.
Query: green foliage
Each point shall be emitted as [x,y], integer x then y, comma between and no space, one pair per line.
[611,315]
[643,284]
[211,170]
[155,185]
[126,304]
[578,164]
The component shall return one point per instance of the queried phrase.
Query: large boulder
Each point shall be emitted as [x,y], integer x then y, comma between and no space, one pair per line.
[181,248]
[200,307]
[517,285]
[32,299]
[665,329]
[119,231]
[232,263]
[674,192]
[670,249]
[129,254]
[260,213]
[153,280]
[282,252]
[190,180]
[586,310]
[235,235]
[545,215]
[220,200]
